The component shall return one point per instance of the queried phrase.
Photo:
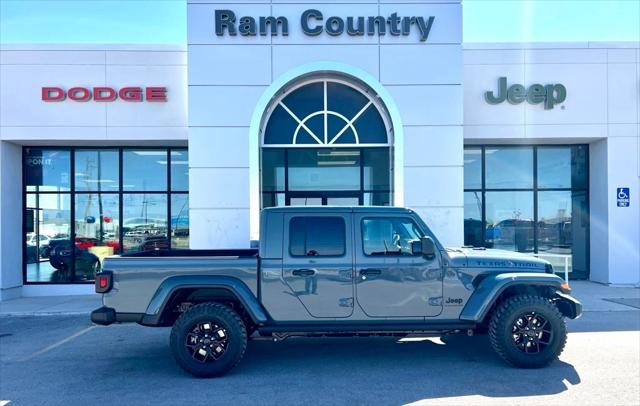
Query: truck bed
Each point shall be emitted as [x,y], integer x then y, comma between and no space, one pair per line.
[193,253]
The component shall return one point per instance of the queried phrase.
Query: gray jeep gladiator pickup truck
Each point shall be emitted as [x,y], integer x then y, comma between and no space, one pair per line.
[325,271]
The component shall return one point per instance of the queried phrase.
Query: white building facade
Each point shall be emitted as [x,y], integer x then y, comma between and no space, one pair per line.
[108,149]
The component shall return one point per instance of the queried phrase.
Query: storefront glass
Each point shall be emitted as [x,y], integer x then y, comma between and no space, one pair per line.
[119,201]
[530,199]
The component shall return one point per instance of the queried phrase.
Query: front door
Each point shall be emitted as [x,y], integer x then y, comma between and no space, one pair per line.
[318,263]
[390,280]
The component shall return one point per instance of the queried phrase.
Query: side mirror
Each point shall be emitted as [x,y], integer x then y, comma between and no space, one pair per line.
[428,247]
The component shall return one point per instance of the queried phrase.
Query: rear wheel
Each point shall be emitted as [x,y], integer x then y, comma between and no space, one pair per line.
[528,331]
[208,340]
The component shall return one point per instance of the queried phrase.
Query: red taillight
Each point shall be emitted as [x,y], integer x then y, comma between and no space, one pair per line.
[104,281]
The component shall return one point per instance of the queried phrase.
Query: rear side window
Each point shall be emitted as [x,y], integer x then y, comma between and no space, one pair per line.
[316,236]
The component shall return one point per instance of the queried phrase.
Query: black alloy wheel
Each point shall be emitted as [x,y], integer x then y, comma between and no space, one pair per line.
[208,340]
[531,333]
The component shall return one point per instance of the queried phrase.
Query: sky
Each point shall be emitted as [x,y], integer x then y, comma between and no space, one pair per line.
[164,21]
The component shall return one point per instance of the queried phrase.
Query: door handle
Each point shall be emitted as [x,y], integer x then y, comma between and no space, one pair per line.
[303,272]
[370,271]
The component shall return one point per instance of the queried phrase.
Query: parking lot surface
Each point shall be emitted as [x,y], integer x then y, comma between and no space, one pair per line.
[65,360]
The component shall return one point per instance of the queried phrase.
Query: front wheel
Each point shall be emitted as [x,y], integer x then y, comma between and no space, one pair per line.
[527,331]
[208,340]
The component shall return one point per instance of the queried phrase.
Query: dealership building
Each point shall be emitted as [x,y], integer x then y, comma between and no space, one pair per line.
[105,149]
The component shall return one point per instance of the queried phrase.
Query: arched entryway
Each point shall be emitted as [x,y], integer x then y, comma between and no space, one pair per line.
[326,139]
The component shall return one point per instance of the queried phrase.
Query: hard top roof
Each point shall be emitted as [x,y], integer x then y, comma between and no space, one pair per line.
[324,209]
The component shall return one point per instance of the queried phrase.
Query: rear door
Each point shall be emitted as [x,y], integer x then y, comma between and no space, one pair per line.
[318,262]
[390,280]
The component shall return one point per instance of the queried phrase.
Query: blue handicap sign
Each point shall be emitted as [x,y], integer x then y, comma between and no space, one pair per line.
[622,195]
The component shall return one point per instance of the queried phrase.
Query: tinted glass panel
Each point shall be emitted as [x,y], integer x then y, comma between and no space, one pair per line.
[509,167]
[472,168]
[324,169]
[280,128]
[306,99]
[376,169]
[370,127]
[97,170]
[48,241]
[179,170]
[97,232]
[389,236]
[145,222]
[473,227]
[273,200]
[345,100]
[272,169]
[47,169]
[554,167]
[180,221]
[377,199]
[580,167]
[145,170]
[510,221]
[322,236]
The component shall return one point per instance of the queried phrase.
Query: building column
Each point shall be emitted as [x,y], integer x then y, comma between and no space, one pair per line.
[11,237]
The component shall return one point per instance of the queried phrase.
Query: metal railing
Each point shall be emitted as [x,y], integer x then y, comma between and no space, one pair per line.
[566,262]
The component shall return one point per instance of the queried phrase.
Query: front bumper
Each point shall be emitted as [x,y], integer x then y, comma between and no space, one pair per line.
[568,305]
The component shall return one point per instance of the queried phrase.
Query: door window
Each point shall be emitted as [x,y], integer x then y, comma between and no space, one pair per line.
[389,236]
[316,236]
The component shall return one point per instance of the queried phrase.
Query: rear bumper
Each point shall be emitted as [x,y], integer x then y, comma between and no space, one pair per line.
[106,315]
[103,316]
[568,305]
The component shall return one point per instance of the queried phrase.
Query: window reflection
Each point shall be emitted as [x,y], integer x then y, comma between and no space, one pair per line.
[509,167]
[145,170]
[179,170]
[472,168]
[510,221]
[144,222]
[47,170]
[48,258]
[324,169]
[180,221]
[473,227]
[96,170]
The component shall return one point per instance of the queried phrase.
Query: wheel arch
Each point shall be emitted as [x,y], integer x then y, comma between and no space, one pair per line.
[199,289]
[495,288]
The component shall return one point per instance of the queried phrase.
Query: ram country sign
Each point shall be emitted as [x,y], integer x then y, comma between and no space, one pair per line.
[550,95]
[314,23]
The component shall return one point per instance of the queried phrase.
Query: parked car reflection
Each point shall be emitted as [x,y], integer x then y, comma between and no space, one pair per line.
[61,257]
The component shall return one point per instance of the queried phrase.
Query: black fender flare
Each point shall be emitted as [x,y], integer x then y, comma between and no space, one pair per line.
[491,287]
[172,284]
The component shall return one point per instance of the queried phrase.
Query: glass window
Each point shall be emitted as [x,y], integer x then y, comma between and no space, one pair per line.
[144,222]
[316,236]
[472,168]
[324,169]
[47,170]
[145,170]
[377,199]
[273,200]
[180,221]
[97,232]
[179,170]
[554,167]
[473,227]
[389,236]
[273,167]
[97,170]
[509,167]
[510,221]
[376,169]
[48,232]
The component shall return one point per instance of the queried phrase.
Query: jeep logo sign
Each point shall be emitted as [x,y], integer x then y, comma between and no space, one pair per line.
[550,95]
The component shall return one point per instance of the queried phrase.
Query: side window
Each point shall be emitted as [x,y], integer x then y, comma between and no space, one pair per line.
[389,236]
[316,236]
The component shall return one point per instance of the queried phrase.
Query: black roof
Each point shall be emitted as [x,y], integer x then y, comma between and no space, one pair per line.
[360,209]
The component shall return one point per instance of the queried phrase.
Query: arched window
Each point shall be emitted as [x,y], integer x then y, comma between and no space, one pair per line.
[327,112]
[326,141]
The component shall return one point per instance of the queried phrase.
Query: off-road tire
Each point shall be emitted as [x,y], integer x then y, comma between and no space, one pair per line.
[221,315]
[501,334]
